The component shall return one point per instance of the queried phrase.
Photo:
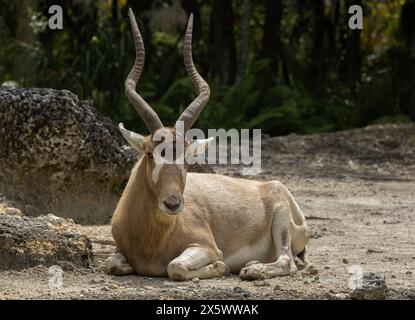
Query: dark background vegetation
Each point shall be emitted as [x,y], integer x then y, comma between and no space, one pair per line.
[283,66]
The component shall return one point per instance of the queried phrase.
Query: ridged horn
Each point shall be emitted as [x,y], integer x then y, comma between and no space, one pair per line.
[189,116]
[149,116]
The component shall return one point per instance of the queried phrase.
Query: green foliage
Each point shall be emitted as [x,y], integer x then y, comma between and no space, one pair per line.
[294,110]
[95,51]
[399,118]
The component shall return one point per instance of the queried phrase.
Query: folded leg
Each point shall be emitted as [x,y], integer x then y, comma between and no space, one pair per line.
[285,264]
[197,262]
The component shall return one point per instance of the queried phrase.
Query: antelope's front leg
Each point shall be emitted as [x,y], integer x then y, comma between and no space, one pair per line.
[117,265]
[197,262]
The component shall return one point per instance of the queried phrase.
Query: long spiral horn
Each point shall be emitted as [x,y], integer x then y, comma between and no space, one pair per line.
[149,116]
[189,116]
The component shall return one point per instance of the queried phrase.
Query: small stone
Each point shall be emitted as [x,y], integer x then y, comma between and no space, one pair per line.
[393,276]
[195,280]
[306,282]
[105,289]
[238,290]
[113,286]
[13,212]
[328,296]
[370,250]
[326,267]
[408,272]
[261,283]
[313,271]
[373,287]
[345,260]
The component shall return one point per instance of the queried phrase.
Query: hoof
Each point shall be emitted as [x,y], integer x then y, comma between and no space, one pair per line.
[221,268]
[261,271]
[177,271]
[252,272]
[117,265]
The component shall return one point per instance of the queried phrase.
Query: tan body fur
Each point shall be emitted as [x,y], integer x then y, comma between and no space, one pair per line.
[228,216]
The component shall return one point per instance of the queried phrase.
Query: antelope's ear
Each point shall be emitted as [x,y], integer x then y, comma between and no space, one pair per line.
[135,140]
[199,146]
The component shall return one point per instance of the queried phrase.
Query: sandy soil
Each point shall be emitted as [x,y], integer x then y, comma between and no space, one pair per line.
[360,206]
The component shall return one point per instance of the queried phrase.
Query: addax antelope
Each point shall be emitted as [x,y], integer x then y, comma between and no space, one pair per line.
[189,225]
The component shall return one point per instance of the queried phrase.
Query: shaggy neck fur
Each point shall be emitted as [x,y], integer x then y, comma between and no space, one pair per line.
[149,228]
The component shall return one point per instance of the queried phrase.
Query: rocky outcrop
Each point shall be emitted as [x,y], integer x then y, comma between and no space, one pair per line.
[46,240]
[59,155]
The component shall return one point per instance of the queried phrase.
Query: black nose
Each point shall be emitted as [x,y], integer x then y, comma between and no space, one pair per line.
[173,206]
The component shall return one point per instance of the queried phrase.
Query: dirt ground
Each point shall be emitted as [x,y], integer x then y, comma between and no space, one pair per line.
[357,190]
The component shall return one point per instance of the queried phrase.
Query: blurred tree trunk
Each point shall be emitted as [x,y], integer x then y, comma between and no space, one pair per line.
[333,35]
[332,22]
[245,35]
[407,25]
[23,68]
[115,14]
[272,30]
[272,47]
[351,55]
[222,42]
[324,44]
[318,9]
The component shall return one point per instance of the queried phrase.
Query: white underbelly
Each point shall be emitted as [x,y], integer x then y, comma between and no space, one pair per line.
[261,251]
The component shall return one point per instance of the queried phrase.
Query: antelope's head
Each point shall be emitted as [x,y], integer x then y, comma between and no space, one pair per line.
[165,175]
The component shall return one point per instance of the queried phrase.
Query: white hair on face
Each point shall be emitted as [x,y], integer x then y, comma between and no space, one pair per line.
[156,172]
[183,172]
[158,167]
